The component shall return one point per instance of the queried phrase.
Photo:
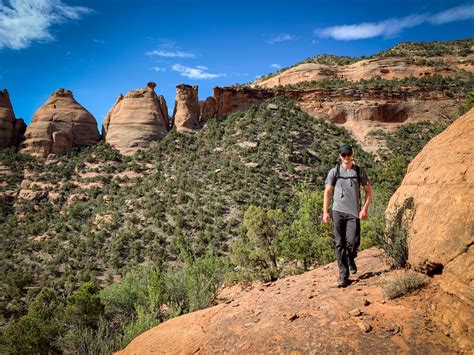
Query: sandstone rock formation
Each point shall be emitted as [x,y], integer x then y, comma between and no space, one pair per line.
[136,119]
[11,129]
[439,186]
[359,111]
[186,109]
[303,314]
[61,124]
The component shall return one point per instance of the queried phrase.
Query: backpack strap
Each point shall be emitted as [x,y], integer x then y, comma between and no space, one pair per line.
[336,175]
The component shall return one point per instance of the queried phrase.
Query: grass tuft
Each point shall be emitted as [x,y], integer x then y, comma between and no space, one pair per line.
[401,284]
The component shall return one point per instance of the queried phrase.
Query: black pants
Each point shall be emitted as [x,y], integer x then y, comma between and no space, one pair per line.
[346,238]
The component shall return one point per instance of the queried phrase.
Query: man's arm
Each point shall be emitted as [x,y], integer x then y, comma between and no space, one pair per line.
[364,212]
[327,200]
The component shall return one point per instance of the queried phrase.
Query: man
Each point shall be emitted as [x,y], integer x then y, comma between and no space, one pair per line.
[345,180]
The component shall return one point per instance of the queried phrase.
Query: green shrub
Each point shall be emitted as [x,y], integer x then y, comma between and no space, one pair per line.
[193,285]
[402,283]
[395,239]
[307,239]
[79,339]
[83,307]
[36,331]
[257,250]
[142,322]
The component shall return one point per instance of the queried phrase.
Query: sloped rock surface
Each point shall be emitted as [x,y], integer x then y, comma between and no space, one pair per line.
[304,314]
[136,119]
[439,185]
[61,124]
[11,129]
[186,110]
[387,68]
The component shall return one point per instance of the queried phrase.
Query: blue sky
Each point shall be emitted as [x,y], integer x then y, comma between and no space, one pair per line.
[100,48]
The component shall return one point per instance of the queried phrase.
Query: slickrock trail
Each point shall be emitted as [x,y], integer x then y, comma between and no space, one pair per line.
[306,313]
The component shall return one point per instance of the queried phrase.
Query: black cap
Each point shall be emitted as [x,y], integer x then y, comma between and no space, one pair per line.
[345,149]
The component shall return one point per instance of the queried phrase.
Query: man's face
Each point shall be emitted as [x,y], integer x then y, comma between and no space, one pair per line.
[346,158]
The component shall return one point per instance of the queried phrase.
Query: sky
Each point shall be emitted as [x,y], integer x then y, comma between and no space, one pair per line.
[101,48]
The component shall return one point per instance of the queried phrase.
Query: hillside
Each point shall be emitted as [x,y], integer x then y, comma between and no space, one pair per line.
[405,60]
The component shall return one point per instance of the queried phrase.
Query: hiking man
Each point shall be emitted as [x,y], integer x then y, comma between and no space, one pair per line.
[345,180]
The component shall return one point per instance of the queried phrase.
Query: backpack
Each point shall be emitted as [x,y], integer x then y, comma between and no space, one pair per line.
[358,177]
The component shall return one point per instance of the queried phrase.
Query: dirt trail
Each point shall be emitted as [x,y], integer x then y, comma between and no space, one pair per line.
[306,313]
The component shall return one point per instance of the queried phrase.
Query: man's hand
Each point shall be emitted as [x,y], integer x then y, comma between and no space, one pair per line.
[326,218]
[363,214]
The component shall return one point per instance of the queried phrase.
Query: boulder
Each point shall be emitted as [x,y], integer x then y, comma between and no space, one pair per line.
[60,125]
[136,119]
[439,186]
[11,129]
[186,108]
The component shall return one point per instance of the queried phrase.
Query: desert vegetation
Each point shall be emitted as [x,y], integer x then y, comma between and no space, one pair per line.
[119,244]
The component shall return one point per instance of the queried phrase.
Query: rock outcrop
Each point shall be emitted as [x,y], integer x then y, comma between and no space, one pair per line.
[186,108]
[136,119]
[61,124]
[11,128]
[435,202]
[304,314]
[359,111]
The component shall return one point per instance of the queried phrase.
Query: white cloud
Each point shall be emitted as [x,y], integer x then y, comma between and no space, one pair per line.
[459,13]
[276,66]
[23,22]
[158,69]
[394,26]
[281,38]
[171,54]
[197,72]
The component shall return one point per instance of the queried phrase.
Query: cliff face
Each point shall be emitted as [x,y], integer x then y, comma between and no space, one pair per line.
[11,128]
[360,111]
[136,119]
[440,184]
[61,124]
[396,63]
[186,109]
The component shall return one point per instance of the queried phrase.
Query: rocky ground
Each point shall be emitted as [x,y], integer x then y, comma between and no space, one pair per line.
[309,314]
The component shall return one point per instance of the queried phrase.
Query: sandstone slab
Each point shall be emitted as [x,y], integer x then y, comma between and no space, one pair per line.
[440,222]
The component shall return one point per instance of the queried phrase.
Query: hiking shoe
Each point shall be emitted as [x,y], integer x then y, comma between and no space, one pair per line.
[352,266]
[341,283]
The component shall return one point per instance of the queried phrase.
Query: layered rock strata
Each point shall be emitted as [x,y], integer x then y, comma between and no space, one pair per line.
[60,125]
[136,119]
[359,111]
[186,110]
[435,203]
[11,128]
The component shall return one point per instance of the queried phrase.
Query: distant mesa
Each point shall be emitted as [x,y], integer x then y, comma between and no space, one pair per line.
[186,109]
[60,125]
[11,128]
[136,119]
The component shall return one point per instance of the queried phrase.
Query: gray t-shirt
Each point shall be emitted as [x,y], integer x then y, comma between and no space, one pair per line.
[346,191]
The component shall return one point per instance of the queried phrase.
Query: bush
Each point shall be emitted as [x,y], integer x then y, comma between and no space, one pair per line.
[193,285]
[142,322]
[395,240]
[85,340]
[402,283]
[307,239]
[257,250]
[36,331]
